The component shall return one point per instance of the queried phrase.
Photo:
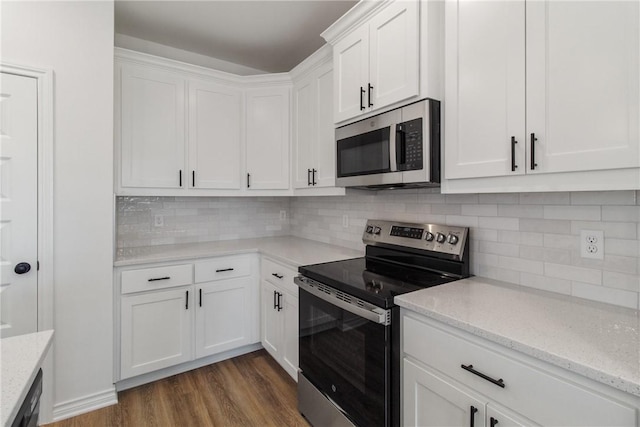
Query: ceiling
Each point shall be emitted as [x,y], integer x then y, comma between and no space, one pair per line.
[272,36]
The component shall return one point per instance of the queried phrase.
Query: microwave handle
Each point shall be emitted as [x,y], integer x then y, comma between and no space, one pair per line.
[401,145]
[393,159]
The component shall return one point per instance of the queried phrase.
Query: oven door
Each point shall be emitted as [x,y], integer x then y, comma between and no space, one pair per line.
[346,357]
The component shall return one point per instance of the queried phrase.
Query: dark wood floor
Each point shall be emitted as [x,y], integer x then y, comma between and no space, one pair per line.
[250,390]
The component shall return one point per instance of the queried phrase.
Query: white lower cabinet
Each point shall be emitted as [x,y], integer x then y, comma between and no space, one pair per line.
[452,378]
[156,330]
[279,308]
[171,314]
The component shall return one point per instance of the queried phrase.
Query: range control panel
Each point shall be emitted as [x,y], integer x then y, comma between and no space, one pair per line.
[444,239]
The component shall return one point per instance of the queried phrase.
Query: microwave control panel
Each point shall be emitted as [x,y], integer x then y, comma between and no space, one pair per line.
[409,145]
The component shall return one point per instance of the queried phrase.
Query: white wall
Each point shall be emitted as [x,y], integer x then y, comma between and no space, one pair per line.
[75,40]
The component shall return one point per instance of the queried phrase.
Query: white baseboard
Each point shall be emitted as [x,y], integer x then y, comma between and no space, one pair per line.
[85,404]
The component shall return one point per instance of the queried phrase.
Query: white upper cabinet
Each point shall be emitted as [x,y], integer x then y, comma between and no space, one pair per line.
[313,130]
[582,85]
[267,125]
[214,136]
[484,108]
[152,112]
[377,60]
[544,93]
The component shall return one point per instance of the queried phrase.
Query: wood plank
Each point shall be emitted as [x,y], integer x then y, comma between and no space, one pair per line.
[249,390]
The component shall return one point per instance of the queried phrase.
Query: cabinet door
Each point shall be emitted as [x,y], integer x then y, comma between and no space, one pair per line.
[268,138]
[156,331]
[214,136]
[351,74]
[394,54]
[152,128]
[271,324]
[583,85]
[290,334]
[429,400]
[484,88]
[325,145]
[223,316]
[304,132]
[504,418]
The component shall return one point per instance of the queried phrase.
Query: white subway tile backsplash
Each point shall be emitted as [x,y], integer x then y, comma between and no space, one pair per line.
[531,239]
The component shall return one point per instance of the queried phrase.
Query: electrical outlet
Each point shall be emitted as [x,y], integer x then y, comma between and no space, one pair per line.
[345,221]
[158,221]
[592,244]
[283,215]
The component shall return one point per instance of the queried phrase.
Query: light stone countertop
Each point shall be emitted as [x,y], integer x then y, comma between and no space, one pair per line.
[21,357]
[596,340]
[291,250]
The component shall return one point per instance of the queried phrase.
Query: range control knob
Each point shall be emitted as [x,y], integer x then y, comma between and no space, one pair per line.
[377,230]
[429,236]
[440,238]
[452,238]
[369,229]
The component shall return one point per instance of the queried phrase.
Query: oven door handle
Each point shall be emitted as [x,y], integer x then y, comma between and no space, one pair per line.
[373,313]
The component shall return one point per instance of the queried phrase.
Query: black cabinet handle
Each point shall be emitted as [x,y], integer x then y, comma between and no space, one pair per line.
[180,177]
[277,275]
[513,154]
[275,300]
[369,95]
[22,268]
[155,279]
[493,422]
[308,177]
[224,269]
[200,297]
[279,301]
[361,99]
[193,179]
[186,304]
[499,382]
[533,151]
[472,417]
[313,177]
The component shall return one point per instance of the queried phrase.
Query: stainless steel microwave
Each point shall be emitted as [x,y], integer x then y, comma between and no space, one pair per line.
[396,149]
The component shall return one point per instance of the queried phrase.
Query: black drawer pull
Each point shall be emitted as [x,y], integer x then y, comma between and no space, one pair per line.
[493,422]
[533,151]
[155,279]
[276,275]
[224,269]
[499,383]
[513,154]
[472,417]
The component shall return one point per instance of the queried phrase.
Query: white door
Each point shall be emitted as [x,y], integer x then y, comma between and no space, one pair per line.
[431,401]
[271,320]
[152,134]
[484,88]
[325,146]
[583,84]
[223,316]
[18,205]
[214,136]
[304,132]
[290,334]
[156,331]
[394,54]
[351,66]
[268,138]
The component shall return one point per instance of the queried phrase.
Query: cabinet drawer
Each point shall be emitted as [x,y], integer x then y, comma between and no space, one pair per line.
[279,274]
[148,279]
[226,267]
[529,390]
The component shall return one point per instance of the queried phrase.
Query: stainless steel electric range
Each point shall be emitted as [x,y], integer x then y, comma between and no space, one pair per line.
[349,327]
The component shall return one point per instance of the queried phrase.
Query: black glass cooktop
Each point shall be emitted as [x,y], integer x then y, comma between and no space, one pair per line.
[373,281]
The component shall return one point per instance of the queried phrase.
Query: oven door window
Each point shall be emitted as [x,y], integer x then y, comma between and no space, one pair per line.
[364,154]
[347,358]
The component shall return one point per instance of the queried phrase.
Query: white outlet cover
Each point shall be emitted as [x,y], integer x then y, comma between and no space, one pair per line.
[158,221]
[592,244]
